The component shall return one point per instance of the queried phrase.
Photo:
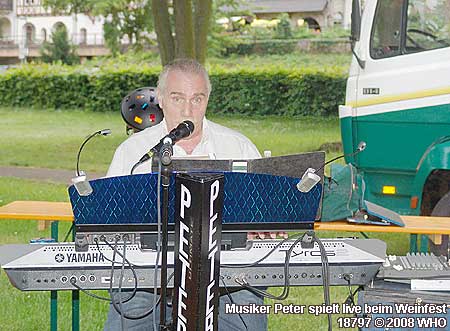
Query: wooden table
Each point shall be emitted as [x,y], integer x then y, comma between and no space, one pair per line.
[46,213]
[53,212]
[413,225]
[43,211]
[434,227]
[62,211]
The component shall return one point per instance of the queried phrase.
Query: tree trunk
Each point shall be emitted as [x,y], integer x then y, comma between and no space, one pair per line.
[203,9]
[163,31]
[184,32]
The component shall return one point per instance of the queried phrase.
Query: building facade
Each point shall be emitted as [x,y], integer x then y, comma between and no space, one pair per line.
[26,24]
[317,14]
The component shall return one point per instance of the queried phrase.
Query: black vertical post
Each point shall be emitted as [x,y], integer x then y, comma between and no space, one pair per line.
[165,157]
[198,226]
[165,180]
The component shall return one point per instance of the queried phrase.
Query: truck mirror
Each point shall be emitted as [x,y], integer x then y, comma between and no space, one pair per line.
[356,21]
[356,30]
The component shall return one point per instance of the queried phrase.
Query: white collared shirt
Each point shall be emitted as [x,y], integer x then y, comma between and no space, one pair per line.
[217,141]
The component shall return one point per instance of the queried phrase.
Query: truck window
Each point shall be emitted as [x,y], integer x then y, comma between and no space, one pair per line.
[386,30]
[428,25]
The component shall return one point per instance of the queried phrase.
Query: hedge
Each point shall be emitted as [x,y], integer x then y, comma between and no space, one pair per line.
[285,46]
[302,91]
[272,46]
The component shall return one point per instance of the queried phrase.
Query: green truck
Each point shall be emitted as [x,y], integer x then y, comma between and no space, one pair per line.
[398,102]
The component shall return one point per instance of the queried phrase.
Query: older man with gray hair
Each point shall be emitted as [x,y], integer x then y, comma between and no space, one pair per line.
[183,93]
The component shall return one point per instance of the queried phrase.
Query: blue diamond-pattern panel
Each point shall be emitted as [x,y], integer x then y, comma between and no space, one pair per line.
[248,198]
[253,198]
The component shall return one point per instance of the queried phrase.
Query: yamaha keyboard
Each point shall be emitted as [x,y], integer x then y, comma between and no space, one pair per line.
[58,266]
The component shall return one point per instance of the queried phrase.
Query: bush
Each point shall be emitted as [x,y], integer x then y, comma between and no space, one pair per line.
[268,90]
[278,92]
[283,29]
[45,86]
[270,46]
[60,49]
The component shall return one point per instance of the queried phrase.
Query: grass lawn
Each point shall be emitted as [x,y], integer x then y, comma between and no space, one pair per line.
[41,138]
[51,139]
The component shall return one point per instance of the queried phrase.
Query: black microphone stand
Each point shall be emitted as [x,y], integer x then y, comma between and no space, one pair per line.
[165,156]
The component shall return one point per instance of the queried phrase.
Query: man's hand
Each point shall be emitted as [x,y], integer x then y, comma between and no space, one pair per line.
[268,235]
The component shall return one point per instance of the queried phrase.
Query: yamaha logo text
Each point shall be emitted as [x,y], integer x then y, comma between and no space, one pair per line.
[79,257]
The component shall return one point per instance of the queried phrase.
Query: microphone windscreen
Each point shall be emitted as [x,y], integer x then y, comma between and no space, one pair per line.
[190,126]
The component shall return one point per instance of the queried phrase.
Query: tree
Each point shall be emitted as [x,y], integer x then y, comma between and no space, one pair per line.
[283,29]
[69,7]
[59,49]
[181,26]
[61,7]
[125,18]
[122,17]
[191,23]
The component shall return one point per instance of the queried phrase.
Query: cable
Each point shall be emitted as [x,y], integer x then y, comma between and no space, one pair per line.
[158,243]
[286,286]
[134,167]
[232,302]
[325,275]
[144,159]
[122,321]
[73,282]
[361,147]
[145,314]
[350,298]
[112,300]
[133,293]
[264,257]
[285,293]
[352,185]
[68,232]
[112,273]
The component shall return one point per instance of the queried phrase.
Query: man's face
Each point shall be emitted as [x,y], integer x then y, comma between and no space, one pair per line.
[185,98]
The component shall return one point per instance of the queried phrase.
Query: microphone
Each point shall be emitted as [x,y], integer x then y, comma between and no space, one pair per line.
[81,184]
[183,130]
[310,178]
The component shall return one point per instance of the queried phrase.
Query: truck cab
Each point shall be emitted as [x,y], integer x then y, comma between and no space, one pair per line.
[398,102]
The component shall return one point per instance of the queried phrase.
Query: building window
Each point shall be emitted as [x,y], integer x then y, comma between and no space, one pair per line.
[83,36]
[5,29]
[59,25]
[29,33]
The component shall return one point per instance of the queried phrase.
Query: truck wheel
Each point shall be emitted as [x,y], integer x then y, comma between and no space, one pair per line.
[442,208]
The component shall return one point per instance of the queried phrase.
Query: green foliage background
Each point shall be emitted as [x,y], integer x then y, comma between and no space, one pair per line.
[256,91]
[60,49]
